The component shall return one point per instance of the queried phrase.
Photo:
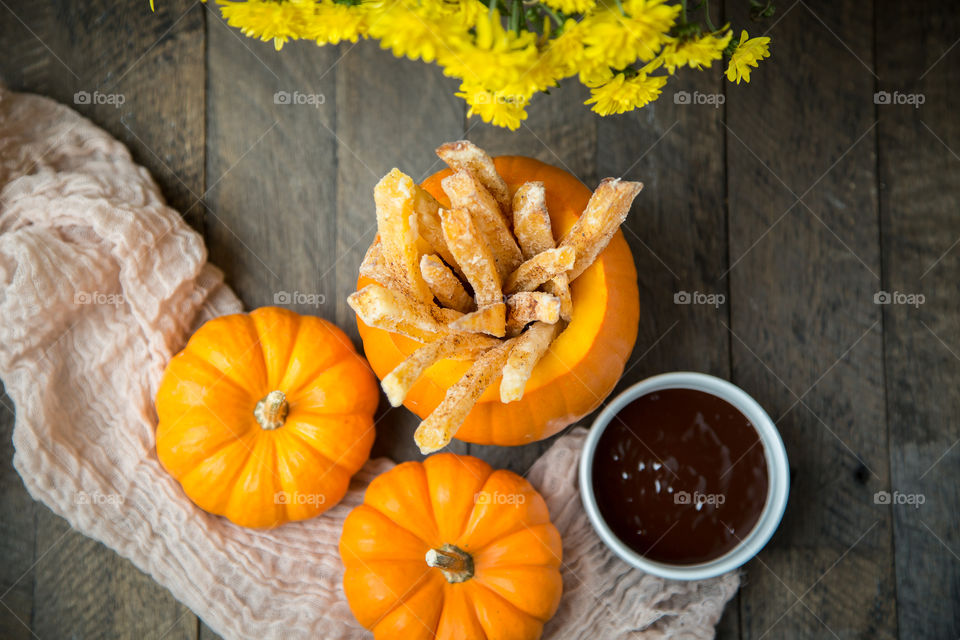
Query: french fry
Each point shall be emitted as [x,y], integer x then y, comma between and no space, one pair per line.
[531,306]
[435,432]
[445,286]
[397,383]
[466,155]
[526,353]
[560,287]
[466,192]
[473,255]
[490,320]
[540,268]
[531,225]
[531,220]
[373,266]
[395,196]
[606,211]
[428,224]
[380,307]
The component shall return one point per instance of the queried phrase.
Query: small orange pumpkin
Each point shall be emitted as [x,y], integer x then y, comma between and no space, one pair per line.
[584,363]
[264,417]
[450,549]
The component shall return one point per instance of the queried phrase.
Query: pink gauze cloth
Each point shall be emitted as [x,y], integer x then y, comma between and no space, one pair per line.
[100,284]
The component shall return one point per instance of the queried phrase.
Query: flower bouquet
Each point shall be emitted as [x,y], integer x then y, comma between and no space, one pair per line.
[506,51]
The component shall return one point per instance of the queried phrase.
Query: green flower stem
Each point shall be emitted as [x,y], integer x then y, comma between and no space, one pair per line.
[553,14]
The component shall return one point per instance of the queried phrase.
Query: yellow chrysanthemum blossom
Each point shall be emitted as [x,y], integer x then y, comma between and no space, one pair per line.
[571,6]
[622,94]
[410,31]
[494,107]
[695,53]
[563,54]
[334,23]
[277,21]
[614,46]
[747,54]
[617,39]
[496,57]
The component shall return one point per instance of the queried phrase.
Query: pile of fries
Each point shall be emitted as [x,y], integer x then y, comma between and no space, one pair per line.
[484,280]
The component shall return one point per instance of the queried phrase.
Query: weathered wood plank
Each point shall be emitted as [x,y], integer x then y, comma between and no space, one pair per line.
[677,232]
[17,536]
[392,113]
[806,336]
[139,76]
[919,165]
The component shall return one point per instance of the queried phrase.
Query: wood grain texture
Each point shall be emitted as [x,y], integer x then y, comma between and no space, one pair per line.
[806,336]
[919,165]
[394,113]
[154,63]
[17,537]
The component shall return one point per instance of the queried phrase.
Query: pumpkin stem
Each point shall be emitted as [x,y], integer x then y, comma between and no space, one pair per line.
[272,410]
[455,563]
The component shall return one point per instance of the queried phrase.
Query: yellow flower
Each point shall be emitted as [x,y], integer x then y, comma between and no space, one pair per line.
[571,6]
[496,57]
[695,52]
[622,94]
[494,107]
[333,23]
[408,31]
[614,39]
[563,53]
[277,21]
[746,55]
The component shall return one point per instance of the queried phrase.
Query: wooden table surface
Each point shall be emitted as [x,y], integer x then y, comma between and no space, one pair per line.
[798,200]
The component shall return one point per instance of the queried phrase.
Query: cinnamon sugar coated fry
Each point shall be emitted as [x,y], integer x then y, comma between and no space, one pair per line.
[436,431]
[490,320]
[444,284]
[463,154]
[540,268]
[526,353]
[465,192]
[395,196]
[593,230]
[473,255]
[530,306]
[398,382]
[467,257]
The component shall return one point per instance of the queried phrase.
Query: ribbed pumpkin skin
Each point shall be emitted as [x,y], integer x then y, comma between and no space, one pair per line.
[584,363]
[210,441]
[496,516]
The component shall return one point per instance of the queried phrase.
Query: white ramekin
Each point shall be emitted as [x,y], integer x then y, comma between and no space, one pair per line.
[778,475]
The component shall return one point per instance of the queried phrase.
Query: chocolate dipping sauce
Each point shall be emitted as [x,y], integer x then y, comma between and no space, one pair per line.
[680,476]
